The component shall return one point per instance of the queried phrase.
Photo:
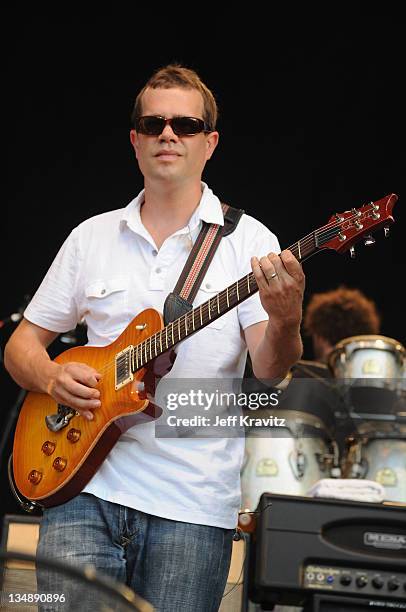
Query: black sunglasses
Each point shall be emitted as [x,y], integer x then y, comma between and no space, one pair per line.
[154,125]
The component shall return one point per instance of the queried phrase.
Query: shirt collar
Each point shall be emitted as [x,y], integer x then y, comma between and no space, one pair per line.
[209,210]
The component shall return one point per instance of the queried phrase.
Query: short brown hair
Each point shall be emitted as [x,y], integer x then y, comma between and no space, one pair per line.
[176,75]
[341,313]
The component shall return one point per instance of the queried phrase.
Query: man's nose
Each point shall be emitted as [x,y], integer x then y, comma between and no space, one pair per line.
[167,134]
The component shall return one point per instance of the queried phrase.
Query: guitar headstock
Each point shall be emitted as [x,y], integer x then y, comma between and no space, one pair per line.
[345,229]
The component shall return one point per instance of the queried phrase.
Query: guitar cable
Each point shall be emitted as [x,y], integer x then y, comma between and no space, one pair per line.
[237,536]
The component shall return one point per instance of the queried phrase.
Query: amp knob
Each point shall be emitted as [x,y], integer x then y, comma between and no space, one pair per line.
[393,584]
[362,581]
[346,579]
[377,582]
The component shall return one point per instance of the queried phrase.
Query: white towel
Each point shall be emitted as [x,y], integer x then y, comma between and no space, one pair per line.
[349,488]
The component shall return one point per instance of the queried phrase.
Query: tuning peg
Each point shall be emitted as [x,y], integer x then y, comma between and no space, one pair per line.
[386,231]
[369,240]
[352,252]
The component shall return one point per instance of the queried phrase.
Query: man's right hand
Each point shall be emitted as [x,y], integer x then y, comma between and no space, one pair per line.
[74,384]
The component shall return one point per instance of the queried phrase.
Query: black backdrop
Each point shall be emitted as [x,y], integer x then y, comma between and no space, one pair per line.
[310,114]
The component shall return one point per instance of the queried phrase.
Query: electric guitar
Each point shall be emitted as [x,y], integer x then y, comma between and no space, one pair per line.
[57,451]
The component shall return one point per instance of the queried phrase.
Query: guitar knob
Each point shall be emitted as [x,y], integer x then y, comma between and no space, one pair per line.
[73,435]
[59,464]
[352,252]
[386,231]
[48,448]
[34,477]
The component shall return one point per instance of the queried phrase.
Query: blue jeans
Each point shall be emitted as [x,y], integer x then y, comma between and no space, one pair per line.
[175,566]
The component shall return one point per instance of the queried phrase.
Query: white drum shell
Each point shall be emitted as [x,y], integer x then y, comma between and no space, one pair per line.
[369,357]
[270,465]
[385,462]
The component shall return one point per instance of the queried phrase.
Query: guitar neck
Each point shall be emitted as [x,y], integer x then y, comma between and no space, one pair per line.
[215,307]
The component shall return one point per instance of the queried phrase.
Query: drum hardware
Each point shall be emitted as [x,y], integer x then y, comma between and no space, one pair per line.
[354,464]
[312,369]
[297,462]
[372,416]
[327,461]
[330,462]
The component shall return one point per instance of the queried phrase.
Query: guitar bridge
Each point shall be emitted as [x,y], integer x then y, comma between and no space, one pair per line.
[123,361]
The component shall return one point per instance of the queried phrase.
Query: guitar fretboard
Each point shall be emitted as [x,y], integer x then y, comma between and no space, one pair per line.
[215,307]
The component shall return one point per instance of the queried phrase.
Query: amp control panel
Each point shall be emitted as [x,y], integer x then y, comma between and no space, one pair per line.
[355,580]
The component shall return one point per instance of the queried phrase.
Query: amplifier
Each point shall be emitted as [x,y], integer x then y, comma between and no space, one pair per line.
[303,546]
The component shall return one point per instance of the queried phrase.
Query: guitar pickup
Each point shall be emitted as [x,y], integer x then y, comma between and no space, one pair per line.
[123,371]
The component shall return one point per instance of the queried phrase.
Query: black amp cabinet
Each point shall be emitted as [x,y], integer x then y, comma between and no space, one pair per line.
[302,547]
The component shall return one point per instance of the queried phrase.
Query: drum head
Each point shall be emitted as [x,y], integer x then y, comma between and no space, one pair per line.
[24,586]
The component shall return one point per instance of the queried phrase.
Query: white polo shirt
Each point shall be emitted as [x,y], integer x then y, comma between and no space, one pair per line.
[107,271]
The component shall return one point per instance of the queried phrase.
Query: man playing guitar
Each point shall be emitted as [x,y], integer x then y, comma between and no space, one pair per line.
[159,513]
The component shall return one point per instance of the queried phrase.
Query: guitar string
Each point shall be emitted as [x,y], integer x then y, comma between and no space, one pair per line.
[146,345]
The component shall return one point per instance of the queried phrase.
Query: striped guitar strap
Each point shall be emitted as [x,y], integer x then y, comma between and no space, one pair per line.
[180,300]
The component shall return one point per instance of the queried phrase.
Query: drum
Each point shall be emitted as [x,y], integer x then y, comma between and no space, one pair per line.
[382,459]
[287,460]
[374,361]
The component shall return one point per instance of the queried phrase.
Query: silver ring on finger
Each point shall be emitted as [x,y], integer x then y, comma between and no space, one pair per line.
[273,275]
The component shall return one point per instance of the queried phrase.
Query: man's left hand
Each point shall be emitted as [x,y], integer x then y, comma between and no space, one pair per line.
[281,284]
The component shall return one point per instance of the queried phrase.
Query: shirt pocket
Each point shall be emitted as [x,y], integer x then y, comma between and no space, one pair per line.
[107,301]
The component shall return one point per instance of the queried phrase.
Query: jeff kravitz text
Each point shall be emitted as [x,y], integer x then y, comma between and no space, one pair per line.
[229,421]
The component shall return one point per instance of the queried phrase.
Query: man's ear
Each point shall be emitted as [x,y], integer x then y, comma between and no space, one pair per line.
[134,140]
[212,141]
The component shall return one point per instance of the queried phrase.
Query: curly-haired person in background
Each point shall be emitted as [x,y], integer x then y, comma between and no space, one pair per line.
[340,313]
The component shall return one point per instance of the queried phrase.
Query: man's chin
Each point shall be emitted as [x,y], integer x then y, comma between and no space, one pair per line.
[167,174]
